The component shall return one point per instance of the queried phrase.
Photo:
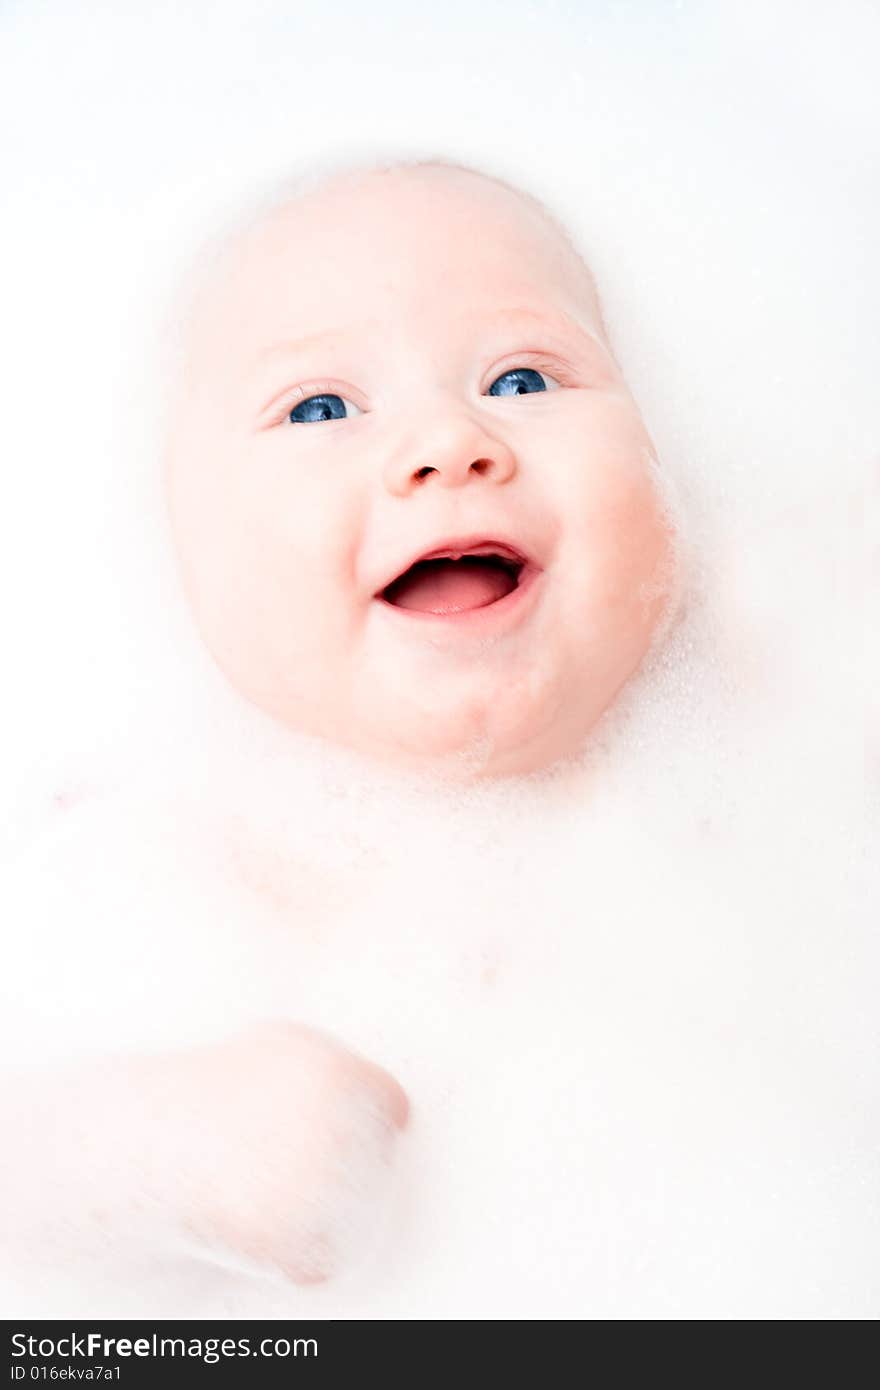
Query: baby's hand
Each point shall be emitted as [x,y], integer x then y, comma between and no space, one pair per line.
[281,1143]
[273,1147]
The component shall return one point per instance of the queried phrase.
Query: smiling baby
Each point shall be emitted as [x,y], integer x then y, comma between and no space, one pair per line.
[416,508]
[417,513]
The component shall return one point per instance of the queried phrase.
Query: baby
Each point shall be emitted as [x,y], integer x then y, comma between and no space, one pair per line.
[387,546]
[384,543]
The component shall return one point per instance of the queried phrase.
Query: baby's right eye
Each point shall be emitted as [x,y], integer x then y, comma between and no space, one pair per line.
[315,409]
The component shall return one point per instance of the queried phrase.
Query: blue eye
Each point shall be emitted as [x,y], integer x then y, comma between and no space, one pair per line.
[522,381]
[317,408]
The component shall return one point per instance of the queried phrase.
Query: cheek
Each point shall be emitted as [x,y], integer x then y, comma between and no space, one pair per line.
[301,509]
[628,541]
[620,540]
[267,547]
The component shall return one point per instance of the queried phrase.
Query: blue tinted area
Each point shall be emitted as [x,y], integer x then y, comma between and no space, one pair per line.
[318,408]
[520,382]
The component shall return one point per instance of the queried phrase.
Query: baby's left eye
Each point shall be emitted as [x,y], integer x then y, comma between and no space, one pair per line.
[327,406]
[521,381]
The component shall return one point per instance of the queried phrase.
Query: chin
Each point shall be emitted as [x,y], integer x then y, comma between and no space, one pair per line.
[481,745]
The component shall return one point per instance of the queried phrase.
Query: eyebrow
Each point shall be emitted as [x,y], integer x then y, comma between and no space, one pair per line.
[557,322]
[555,319]
[289,347]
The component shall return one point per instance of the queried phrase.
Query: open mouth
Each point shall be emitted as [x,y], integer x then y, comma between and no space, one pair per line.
[451,581]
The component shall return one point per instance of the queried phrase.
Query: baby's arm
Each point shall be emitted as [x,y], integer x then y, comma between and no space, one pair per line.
[273,1146]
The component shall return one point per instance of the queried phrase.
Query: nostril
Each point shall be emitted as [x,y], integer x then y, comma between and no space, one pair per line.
[423,472]
[481,466]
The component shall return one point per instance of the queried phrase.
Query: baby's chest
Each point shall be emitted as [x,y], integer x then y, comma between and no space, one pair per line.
[372,953]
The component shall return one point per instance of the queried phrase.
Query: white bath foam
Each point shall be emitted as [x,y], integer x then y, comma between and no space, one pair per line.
[640,1077]
[634,1014]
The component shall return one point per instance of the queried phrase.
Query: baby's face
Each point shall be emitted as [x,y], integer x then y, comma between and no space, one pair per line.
[414,502]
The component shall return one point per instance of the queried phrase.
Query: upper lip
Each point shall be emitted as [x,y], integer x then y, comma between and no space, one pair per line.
[454,547]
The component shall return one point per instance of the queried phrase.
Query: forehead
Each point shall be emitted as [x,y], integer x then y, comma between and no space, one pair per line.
[421,249]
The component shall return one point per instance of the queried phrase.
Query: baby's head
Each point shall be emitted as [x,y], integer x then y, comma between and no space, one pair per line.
[416,509]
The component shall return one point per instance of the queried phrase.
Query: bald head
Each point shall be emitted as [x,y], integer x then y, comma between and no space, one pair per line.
[445,194]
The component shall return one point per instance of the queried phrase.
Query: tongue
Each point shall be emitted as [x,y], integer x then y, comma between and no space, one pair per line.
[451,586]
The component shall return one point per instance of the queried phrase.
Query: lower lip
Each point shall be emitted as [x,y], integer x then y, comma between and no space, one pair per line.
[512,607]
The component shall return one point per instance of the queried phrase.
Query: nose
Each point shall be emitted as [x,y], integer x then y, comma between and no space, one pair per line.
[448,450]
